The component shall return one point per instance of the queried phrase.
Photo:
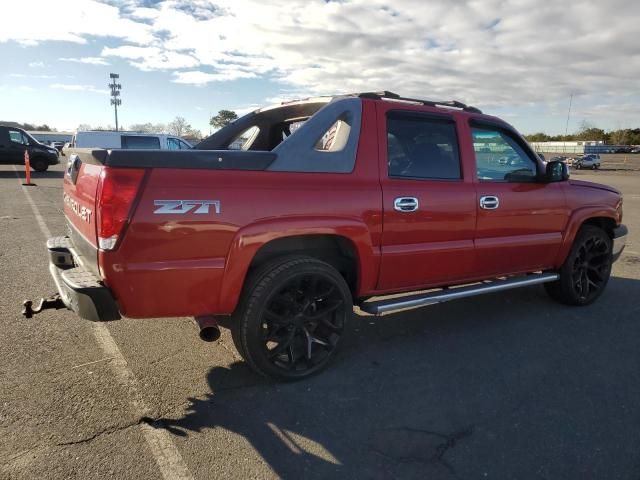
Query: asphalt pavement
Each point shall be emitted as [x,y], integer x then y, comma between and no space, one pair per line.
[507,386]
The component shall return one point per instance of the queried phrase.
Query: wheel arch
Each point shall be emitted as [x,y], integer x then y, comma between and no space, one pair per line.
[603,217]
[343,243]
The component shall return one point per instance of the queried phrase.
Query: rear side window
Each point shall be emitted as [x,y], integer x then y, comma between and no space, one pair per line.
[422,147]
[335,138]
[140,142]
[245,139]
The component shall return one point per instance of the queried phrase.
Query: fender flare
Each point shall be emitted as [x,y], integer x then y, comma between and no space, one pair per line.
[249,239]
[577,219]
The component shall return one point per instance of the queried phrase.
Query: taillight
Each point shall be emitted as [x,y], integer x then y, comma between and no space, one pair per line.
[116,192]
[619,210]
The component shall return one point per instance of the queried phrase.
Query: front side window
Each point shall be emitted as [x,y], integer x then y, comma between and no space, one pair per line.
[140,142]
[500,158]
[17,137]
[422,147]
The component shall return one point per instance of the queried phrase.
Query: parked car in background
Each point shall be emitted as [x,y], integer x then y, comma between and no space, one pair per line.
[591,161]
[15,141]
[58,146]
[623,149]
[127,140]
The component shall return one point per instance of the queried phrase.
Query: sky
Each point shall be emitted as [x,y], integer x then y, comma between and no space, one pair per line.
[518,59]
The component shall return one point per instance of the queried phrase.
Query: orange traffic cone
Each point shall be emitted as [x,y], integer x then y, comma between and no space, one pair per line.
[27,169]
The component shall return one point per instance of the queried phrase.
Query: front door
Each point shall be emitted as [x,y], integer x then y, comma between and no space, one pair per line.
[428,206]
[17,144]
[520,220]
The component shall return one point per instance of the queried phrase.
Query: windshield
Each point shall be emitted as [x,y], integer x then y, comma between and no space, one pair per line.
[32,141]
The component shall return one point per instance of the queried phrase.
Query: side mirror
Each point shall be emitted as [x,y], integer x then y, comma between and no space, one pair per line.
[556,171]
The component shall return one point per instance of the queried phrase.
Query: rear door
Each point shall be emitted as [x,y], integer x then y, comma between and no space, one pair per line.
[519,219]
[428,206]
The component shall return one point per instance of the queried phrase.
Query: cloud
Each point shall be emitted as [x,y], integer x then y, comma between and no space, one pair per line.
[36,64]
[24,75]
[86,60]
[74,87]
[494,53]
[30,22]
[196,77]
[152,58]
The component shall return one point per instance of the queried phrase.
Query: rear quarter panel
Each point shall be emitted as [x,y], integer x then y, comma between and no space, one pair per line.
[194,264]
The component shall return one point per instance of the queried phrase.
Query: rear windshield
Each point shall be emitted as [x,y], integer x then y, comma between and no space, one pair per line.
[140,142]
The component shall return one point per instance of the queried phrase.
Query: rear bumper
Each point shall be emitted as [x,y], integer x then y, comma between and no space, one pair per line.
[619,241]
[79,289]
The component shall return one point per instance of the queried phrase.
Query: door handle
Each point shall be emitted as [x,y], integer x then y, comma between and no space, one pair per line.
[489,202]
[405,204]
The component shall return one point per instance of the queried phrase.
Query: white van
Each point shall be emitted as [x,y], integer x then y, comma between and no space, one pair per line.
[127,140]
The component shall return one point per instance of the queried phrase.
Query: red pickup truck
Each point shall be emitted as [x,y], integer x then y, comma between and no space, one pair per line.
[327,203]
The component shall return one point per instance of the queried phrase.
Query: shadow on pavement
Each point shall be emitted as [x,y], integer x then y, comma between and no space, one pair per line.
[500,386]
[34,175]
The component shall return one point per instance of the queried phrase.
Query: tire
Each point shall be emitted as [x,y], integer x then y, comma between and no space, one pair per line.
[586,271]
[293,314]
[593,167]
[39,164]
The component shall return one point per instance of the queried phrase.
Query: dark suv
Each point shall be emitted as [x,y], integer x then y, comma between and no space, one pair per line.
[13,143]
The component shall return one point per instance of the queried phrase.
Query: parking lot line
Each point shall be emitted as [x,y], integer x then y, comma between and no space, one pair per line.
[164,451]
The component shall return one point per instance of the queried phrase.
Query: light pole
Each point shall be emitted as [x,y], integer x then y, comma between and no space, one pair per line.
[115,93]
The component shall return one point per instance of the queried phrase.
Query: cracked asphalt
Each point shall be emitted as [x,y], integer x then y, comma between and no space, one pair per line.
[508,385]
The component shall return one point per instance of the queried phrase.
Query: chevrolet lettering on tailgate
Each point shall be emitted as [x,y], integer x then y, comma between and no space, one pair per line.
[81,211]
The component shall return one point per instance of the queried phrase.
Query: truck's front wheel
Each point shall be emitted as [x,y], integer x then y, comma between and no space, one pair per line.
[585,272]
[293,316]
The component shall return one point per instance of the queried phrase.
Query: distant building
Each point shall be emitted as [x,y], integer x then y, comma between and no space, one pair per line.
[48,137]
[578,147]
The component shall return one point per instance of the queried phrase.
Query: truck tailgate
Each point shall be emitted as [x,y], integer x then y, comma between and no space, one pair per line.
[80,191]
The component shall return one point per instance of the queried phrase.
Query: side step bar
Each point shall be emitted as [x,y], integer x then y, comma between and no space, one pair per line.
[414,301]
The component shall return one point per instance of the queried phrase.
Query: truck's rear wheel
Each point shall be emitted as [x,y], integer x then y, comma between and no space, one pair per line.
[585,272]
[293,317]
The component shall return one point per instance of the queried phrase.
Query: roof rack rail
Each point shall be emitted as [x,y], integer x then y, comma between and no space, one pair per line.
[430,103]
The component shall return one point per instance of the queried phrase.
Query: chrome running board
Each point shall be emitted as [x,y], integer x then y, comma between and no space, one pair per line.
[391,305]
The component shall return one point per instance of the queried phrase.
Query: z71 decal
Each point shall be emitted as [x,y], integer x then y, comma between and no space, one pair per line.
[186,206]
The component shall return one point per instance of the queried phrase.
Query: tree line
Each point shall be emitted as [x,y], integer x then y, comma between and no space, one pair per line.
[178,126]
[30,126]
[624,136]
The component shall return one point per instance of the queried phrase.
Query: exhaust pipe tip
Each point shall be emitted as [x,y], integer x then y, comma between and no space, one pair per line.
[209,330]
[210,334]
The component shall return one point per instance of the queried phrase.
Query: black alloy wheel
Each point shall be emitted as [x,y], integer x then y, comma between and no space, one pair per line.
[302,322]
[586,271]
[591,266]
[293,317]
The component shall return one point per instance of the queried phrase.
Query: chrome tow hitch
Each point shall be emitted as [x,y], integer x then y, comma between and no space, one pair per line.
[54,301]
